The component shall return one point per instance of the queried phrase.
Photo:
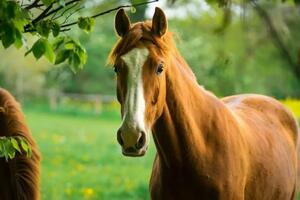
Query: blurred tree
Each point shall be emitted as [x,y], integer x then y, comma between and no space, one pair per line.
[97,77]
[267,11]
[24,77]
[240,59]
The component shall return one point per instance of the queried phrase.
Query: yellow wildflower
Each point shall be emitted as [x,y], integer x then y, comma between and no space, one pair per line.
[88,193]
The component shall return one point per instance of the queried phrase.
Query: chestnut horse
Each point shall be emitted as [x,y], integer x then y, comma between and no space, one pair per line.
[19,177]
[239,147]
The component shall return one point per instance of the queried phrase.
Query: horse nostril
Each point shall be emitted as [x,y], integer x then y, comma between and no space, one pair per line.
[141,141]
[119,137]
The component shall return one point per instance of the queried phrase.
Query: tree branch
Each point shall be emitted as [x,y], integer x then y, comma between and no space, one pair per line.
[61,7]
[72,13]
[111,10]
[46,13]
[42,15]
[37,19]
[34,4]
[276,38]
[62,13]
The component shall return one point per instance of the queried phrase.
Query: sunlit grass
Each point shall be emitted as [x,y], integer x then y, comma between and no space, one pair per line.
[82,159]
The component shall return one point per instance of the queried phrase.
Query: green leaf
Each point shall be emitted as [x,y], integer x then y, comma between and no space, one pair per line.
[69,45]
[5,146]
[74,61]
[62,56]
[82,22]
[11,153]
[18,39]
[49,53]
[44,27]
[1,148]
[29,153]
[86,23]
[24,145]
[42,47]
[25,13]
[132,9]
[15,144]
[92,23]
[55,29]
[48,2]
[11,9]
[8,37]
[58,42]
[39,48]
[82,55]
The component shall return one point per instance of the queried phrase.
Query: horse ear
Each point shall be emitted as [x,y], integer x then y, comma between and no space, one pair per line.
[159,22]
[122,23]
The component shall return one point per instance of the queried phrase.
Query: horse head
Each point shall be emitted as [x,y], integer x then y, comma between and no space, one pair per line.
[140,60]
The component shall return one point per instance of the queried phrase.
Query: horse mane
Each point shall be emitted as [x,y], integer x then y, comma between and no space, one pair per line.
[20,175]
[141,34]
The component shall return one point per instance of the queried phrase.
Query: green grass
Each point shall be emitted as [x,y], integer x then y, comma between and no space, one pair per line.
[81,158]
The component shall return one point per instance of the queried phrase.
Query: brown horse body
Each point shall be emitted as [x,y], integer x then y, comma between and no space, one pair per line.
[19,177]
[240,147]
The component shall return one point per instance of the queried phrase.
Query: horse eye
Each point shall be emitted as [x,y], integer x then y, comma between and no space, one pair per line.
[160,69]
[116,70]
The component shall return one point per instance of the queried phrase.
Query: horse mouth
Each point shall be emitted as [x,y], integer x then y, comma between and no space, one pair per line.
[131,152]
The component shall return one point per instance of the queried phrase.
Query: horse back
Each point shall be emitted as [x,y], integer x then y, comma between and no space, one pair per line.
[272,136]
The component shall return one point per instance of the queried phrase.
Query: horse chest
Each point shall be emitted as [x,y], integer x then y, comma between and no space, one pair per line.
[186,185]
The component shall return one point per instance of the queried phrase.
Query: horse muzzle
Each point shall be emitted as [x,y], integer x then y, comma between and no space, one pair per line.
[133,142]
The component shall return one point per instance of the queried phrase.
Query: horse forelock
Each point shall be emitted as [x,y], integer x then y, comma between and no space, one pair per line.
[140,34]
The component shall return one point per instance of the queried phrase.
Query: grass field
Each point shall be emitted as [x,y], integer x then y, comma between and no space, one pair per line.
[82,159]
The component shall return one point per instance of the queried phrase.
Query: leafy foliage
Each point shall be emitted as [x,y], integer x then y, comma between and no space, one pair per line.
[42,17]
[71,50]
[16,20]
[86,23]
[42,47]
[12,20]
[10,146]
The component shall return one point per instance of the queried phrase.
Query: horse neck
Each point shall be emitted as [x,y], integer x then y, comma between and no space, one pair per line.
[180,133]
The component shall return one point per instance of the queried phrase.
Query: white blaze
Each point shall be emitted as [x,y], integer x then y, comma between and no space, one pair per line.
[134,108]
